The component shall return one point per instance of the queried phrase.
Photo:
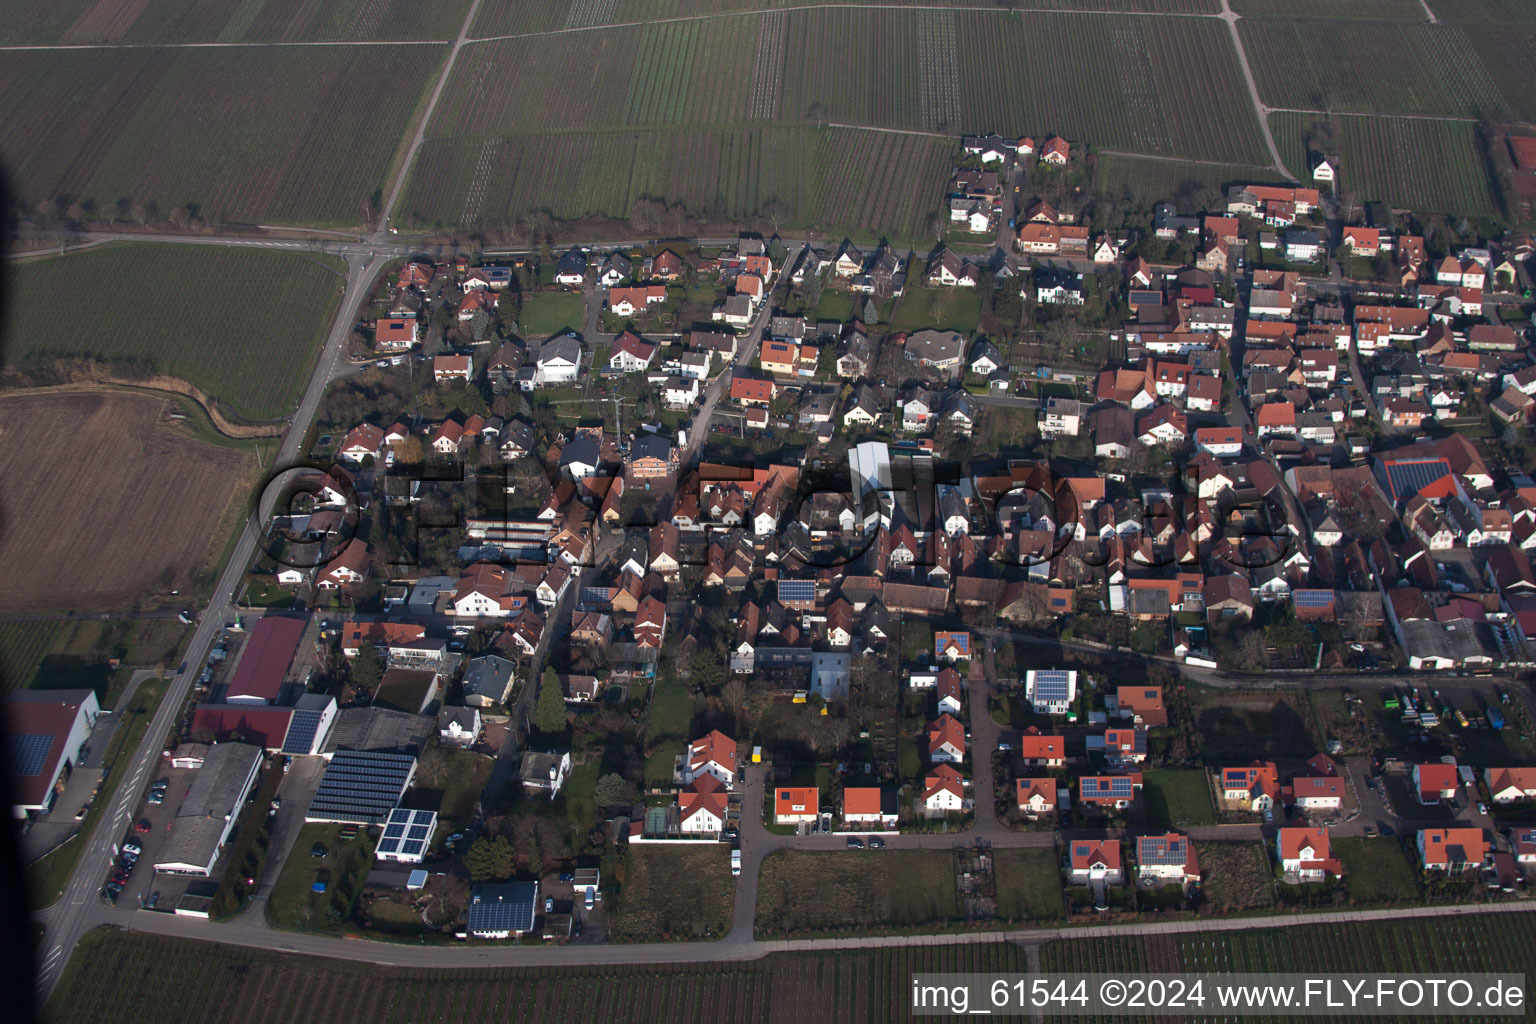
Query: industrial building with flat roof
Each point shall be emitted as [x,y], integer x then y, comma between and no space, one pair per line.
[361,786]
[209,812]
[44,731]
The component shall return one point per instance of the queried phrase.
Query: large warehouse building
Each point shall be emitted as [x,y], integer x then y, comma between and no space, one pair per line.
[209,812]
[264,664]
[44,730]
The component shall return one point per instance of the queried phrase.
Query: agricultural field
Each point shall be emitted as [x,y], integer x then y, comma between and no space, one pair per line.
[1447,945]
[150,506]
[800,892]
[1028,884]
[1153,181]
[115,974]
[76,22]
[518,17]
[1178,796]
[822,177]
[1416,69]
[1235,876]
[673,892]
[1168,86]
[1375,871]
[265,310]
[1499,12]
[239,135]
[23,645]
[1401,10]
[791,141]
[1412,164]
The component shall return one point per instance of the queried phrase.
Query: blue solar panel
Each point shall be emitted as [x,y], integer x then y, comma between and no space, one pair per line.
[419,831]
[29,752]
[1408,477]
[1162,850]
[1053,686]
[301,732]
[1313,598]
[412,848]
[394,830]
[507,907]
[797,590]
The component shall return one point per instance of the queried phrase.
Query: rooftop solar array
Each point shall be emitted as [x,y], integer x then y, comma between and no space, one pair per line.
[29,752]
[1053,684]
[1117,786]
[1162,850]
[301,732]
[407,834]
[797,590]
[361,786]
[1313,598]
[508,907]
[1410,476]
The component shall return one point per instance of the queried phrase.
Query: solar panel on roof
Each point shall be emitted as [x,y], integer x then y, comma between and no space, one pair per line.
[797,590]
[394,831]
[301,732]
[29,752]
[418,832]
[412,847]
[1408,477]
[1313,598]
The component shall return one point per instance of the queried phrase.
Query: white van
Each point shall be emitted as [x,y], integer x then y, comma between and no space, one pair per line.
[735,862]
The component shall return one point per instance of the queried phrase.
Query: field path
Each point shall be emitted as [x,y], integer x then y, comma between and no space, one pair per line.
[1259,109]
[426,118]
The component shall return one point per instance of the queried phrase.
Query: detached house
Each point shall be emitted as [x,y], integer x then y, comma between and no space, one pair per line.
[795,805]
[869,806]
[946,739]
[714,754]
[1167,858]
[1035,798]
[1305,854]
[1452,850]
[1256,786]
[943,791]
[1435,782]
[1096,860]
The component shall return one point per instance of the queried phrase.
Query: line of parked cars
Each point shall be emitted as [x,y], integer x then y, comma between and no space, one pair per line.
[122,870]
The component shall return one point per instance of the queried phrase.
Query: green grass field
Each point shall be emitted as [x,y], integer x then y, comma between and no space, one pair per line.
[229,21]
[954,309]
[1028,885]
[292,135]
[673,893]
[115,974]
[250,346]
[1178,796]
[545,313]
[1428,166]
[294,905]
[23,646]
[804,893]
[1375,871]
[1154,181]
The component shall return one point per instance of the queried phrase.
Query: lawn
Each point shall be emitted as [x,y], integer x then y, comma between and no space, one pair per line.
[547,313]
[802,893]
[952,309]
[673,893]
[836,304]
[450,781]
[47,876]
[248,343]
[293,904]
[1177,796]
[1376,871]
[1235,876]
[1028,885]
[1240,726]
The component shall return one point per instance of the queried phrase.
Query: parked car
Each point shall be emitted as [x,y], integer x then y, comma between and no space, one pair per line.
[566,876]
[1482,808]
[855,843]
[133,848]
[157,797]
[877,844]
[143,825]
[549,904]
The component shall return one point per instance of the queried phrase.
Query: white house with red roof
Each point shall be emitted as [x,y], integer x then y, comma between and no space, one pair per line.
[795,805]
[362,441]
[943,791]
[1255,786]
[712,754]
[949,692]
[1096,860]
[1041,751]
[1508,785]
[1452,850]
[449,368]
[630,352]
[869,805]
[1305,854]
[349,566]
[701,806]
[946,739]
[1035,797]
[1167,858]
[1435,782]
[1524,842]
